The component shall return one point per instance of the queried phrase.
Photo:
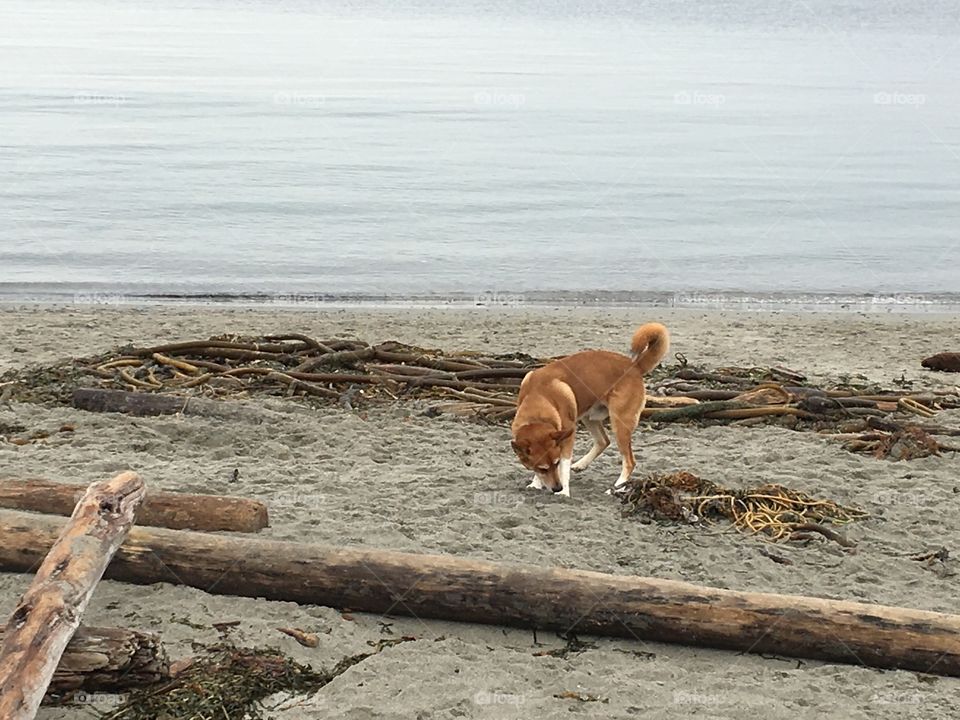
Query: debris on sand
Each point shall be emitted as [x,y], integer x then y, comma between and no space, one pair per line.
[771,511]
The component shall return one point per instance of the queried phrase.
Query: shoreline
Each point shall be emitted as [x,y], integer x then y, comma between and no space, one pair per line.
[725,301]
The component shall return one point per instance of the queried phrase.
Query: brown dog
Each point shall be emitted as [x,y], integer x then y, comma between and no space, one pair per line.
[589,386]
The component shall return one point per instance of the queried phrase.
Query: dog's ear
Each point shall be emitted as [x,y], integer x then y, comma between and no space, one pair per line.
[560,435]
[517,447]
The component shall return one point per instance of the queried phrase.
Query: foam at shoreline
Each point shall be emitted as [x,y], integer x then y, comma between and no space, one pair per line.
[942,302]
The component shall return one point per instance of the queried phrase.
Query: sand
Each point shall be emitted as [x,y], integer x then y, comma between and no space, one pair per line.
[400,480]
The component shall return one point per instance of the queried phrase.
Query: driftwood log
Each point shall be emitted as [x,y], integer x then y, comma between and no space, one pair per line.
[460,589]
[177,511]
[106,659]
[945,362]
[146,404]
[50,610]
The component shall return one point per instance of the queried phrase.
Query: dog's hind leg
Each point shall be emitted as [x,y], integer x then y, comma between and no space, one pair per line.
[600,443]
[624,417]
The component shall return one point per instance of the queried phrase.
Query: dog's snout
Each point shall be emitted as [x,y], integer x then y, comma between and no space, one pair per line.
[557,489]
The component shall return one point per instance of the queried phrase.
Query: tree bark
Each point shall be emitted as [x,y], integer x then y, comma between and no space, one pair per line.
[460,589]
[106,659]
[177,511]
[50,610]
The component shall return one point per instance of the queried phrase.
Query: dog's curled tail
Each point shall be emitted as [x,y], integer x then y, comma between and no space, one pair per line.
[649,345]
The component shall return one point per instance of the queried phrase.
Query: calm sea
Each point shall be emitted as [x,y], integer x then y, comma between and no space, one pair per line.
[647,148]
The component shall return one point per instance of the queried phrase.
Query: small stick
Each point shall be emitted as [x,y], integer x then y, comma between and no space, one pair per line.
[826,532]
[122,362]
[200,380]
[302,385]
[911,405]
[178,364]
[466,395]
[126,375]
[305,339]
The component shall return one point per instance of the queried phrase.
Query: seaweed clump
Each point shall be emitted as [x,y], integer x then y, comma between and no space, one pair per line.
[226,684]
[772,511]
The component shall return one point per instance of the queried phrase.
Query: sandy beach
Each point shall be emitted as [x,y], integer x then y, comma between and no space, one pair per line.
[390,477]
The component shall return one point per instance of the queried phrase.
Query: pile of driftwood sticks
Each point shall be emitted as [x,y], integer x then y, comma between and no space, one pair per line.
[896,424]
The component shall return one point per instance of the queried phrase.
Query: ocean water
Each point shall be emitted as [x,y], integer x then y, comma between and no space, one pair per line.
[658,148]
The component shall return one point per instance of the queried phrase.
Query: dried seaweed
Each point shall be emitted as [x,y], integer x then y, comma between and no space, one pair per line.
[230,683]
[772,511]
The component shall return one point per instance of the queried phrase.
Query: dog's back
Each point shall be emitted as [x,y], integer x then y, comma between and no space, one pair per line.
[591,374]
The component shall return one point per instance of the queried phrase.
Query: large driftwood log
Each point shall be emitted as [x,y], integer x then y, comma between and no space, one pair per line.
[459,589]
[105,659]
[177,511]
[147,403]
[50,610]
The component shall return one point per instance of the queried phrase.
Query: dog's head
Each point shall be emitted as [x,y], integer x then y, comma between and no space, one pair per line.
[538,446]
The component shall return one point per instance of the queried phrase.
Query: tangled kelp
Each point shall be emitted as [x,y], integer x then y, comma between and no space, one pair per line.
[771,511]
[886,423]
[225,684]
[228,682]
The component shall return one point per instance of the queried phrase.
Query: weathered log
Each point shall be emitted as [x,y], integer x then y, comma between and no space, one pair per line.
[177,511]
[945,362]
[105,659]
[493,373]
[460,589]
[692,412]
[50,610]
[146,403]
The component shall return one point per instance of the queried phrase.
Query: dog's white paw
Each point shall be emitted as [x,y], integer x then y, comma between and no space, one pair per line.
[579,467]
[565,493]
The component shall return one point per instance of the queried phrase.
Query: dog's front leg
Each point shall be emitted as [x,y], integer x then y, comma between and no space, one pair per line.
[535,483]
[564,471]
